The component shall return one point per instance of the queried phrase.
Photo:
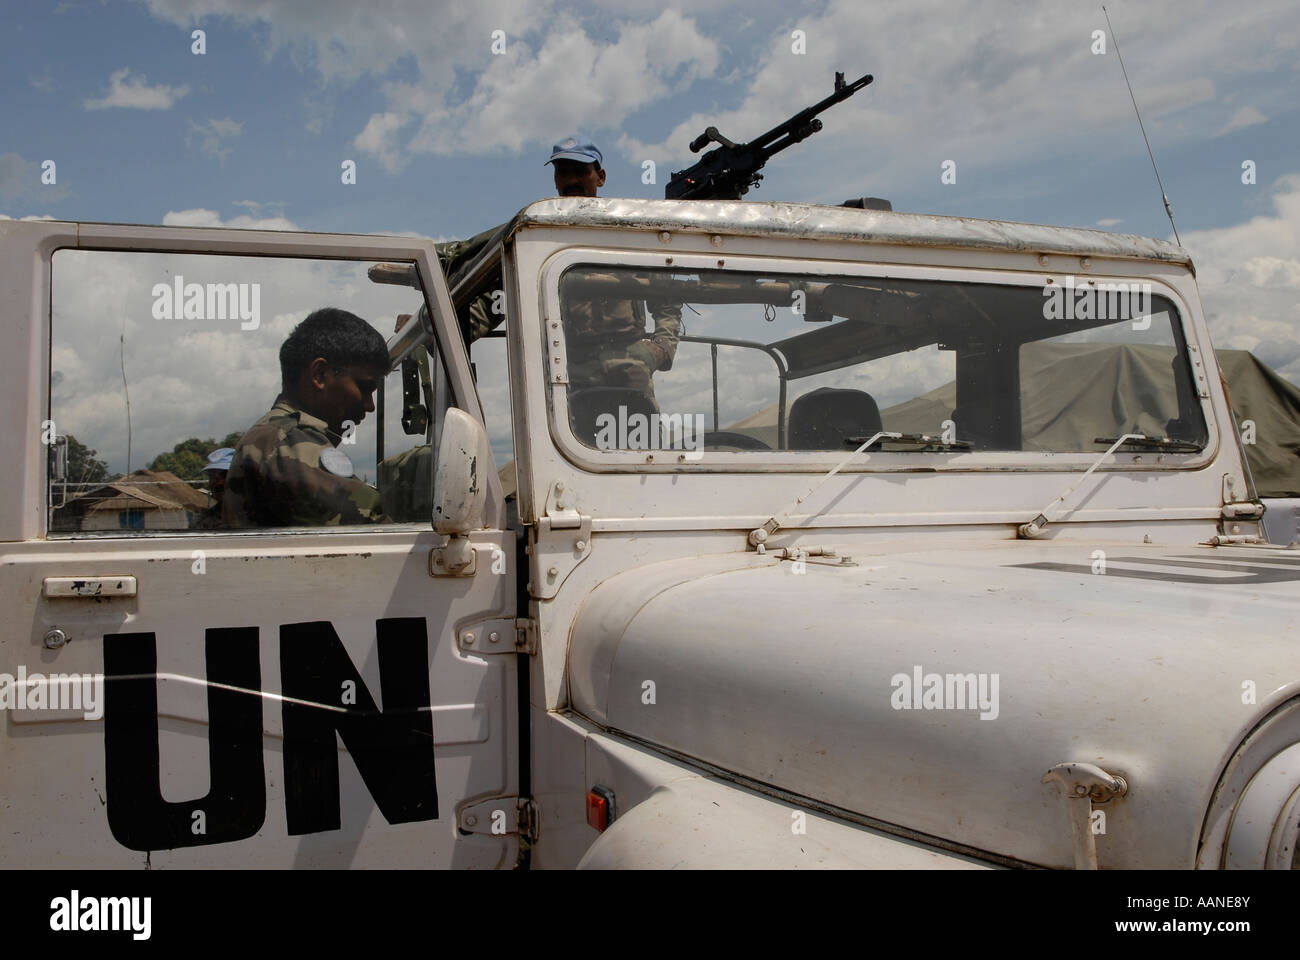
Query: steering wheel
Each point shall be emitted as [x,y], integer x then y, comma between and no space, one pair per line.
[726,438]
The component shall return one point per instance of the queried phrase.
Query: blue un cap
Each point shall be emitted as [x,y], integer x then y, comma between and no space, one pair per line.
[571,148]
[220,459]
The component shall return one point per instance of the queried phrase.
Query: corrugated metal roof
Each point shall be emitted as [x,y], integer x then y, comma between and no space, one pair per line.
[161,489]
[814,221]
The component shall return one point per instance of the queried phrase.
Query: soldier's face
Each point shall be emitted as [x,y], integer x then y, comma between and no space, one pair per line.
[345,394]
[574,179]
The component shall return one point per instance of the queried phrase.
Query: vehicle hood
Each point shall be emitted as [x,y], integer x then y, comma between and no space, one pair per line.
[1154,669]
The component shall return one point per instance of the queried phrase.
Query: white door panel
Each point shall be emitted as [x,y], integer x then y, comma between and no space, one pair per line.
[288,698]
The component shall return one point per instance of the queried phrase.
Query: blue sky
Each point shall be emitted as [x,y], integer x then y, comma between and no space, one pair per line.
[450,137]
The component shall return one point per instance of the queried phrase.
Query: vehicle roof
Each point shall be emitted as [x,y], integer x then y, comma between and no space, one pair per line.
[816,221]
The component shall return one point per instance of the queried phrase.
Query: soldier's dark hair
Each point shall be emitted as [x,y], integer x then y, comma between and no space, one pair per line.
[342,338]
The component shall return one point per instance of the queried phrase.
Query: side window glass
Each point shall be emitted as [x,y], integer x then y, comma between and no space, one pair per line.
[194,392]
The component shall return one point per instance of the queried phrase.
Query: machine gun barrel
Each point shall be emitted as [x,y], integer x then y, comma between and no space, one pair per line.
[805,120]
[728,172]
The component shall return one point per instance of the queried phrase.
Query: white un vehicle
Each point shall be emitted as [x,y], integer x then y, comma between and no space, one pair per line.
[935,548]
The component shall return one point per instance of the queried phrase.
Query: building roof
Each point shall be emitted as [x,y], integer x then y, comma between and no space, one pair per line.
[143,489]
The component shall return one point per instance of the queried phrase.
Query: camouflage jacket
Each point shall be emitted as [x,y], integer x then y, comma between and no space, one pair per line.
[483,315]
[594,325]
[277,478]
[608,343]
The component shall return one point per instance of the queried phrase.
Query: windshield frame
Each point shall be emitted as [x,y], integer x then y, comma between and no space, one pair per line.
[793,461]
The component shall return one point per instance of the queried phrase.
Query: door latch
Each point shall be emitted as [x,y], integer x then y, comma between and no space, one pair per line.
[1082,785]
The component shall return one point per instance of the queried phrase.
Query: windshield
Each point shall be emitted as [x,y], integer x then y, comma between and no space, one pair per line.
[748,362]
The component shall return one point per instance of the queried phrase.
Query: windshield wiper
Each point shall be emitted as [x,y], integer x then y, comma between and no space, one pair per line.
[758,536]
[1151,443]
[1036,526]
[920,439]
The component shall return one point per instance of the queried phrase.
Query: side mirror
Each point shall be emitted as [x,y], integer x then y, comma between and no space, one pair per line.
[459,487]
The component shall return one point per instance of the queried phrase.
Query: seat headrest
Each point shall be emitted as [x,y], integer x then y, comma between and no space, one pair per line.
[823,418]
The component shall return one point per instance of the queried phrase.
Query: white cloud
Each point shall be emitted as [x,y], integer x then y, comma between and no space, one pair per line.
[1109,222]
[135,93]
[557,73]
[344,40]
[20,179]
[570,82]
[201,217]
[412,234]
[953,82]
[379,140]
[44,216]
[211,136]
[257,206]
[1244,117]
[1249,277]
[17,176]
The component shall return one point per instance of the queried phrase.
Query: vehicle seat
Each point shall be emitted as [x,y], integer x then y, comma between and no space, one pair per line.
[585,406]
[823,418]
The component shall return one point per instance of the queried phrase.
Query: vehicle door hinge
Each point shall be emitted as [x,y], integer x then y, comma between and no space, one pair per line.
[501,817]
[456,558]
[1235,508]
[502,635]
[563,542]
[560,511]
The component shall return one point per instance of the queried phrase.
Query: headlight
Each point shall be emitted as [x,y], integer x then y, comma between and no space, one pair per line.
[1254,818]
[1266,822]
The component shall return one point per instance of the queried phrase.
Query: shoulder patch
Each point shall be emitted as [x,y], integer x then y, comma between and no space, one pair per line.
[336,462]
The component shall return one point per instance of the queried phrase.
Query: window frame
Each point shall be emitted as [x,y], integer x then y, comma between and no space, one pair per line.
[446,344]
[555,358]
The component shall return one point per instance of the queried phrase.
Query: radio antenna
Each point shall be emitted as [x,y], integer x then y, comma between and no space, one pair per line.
[1169,210]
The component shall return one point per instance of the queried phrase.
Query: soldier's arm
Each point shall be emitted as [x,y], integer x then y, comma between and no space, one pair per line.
[282,484]
[476,319]
[668,328]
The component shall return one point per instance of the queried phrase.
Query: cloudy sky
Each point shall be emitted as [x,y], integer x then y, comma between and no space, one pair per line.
[449,110]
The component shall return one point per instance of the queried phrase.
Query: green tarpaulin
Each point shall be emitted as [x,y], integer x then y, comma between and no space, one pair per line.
[1074,392]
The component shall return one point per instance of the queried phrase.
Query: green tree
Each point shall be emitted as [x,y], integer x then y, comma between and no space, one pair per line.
[83,464]
[188,458]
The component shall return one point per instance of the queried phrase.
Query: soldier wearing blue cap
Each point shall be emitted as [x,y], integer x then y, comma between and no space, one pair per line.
[577,166]
[606,339]
[215,470]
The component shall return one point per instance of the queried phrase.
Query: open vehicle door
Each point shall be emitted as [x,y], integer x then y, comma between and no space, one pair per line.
[179,693]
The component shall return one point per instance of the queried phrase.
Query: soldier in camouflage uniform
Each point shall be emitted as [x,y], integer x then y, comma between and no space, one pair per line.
[288,470]
[607,342]
[606,339]
[479,317]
